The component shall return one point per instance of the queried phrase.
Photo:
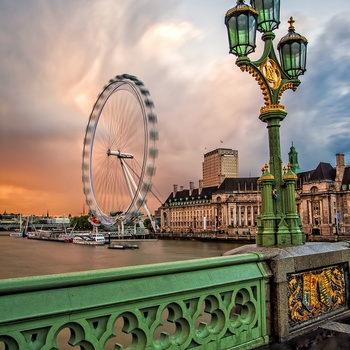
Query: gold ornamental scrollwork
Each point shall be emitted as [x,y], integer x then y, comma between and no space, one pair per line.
[271,72]
[272,107]
[258,78]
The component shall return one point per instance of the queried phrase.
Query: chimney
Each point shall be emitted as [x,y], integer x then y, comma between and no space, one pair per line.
[340,159]
[181,188]
[339,170]
[221,179]
[200,188]
[175,191]
[191,187]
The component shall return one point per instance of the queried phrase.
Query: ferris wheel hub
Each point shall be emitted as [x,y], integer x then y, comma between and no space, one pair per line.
[119,154]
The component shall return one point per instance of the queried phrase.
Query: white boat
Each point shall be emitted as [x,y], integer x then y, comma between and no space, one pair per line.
[51,235]
[89,239]
[17,234]
[22,231]
[123,246]
[99,237]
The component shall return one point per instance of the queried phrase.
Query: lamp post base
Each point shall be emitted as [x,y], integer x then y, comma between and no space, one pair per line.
[283,233]
[265,240]
[276,231]
[266,235]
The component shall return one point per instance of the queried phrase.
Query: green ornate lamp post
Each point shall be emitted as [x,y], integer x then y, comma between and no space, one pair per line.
[279,222]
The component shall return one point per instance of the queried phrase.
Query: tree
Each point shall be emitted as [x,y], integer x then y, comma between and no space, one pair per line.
[81,223]
[148,224]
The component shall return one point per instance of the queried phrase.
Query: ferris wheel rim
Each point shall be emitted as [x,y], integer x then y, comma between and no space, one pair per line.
[149,150]
[144,156]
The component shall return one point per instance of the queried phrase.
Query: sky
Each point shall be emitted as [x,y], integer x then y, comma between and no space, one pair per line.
[56,56]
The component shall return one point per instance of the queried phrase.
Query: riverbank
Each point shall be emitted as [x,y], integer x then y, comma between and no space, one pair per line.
[206,237]
[222,237]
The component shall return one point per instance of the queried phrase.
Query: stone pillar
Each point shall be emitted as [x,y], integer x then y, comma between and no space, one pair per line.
[309,207]
[235,208]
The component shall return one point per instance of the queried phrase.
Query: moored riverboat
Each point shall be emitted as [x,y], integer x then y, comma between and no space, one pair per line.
[17,234]
[48,235]
[123,246]
[89,239]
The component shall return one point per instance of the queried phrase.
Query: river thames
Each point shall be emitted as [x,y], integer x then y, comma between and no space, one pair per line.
[21,257]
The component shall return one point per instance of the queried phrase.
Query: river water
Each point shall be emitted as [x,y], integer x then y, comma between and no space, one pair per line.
[20,257]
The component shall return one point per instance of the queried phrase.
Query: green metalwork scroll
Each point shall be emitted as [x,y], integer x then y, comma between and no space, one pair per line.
[215,303]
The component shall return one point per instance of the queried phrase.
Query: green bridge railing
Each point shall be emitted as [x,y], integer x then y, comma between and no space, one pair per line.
[214,303]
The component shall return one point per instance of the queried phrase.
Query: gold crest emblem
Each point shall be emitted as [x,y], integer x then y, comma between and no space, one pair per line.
[271,73]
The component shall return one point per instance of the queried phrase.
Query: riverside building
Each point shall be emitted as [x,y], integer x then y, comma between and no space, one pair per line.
[232,205]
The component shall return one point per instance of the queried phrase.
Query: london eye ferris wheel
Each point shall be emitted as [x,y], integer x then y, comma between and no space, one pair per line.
[119,151]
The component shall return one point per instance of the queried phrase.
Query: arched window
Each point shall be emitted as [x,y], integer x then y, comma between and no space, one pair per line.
[314,189]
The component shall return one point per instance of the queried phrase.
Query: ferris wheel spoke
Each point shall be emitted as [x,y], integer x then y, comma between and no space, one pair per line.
[130,183]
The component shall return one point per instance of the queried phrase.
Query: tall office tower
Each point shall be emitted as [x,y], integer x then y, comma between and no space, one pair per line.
[218,165]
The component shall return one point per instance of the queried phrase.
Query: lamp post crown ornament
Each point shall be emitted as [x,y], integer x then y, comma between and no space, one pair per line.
[265,170]
[288,169]
[291,26]
[241,6]
[292,35]
[266,176]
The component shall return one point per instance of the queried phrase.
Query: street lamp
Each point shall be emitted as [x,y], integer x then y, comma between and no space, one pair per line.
[279,223]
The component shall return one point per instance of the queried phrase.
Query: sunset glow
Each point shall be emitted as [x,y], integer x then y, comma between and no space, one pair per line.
[58,55]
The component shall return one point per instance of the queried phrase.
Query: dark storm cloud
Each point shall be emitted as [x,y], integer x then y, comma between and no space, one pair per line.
[321,109]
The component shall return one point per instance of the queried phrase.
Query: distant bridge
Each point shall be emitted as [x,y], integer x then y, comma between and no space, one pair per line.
[16,226]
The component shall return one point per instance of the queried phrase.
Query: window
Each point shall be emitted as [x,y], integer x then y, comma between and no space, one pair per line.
[314,189]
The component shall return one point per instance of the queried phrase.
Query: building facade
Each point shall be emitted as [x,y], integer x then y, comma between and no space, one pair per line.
[231,207]
[322,197]
[219,164]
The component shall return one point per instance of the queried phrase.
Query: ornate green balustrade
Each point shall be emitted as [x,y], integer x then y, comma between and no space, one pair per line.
[214,303]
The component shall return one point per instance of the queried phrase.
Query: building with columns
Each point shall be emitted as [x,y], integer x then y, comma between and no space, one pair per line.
[322,198]
[232,205]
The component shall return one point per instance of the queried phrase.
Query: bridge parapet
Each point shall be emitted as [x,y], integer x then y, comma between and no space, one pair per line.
[214,303]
